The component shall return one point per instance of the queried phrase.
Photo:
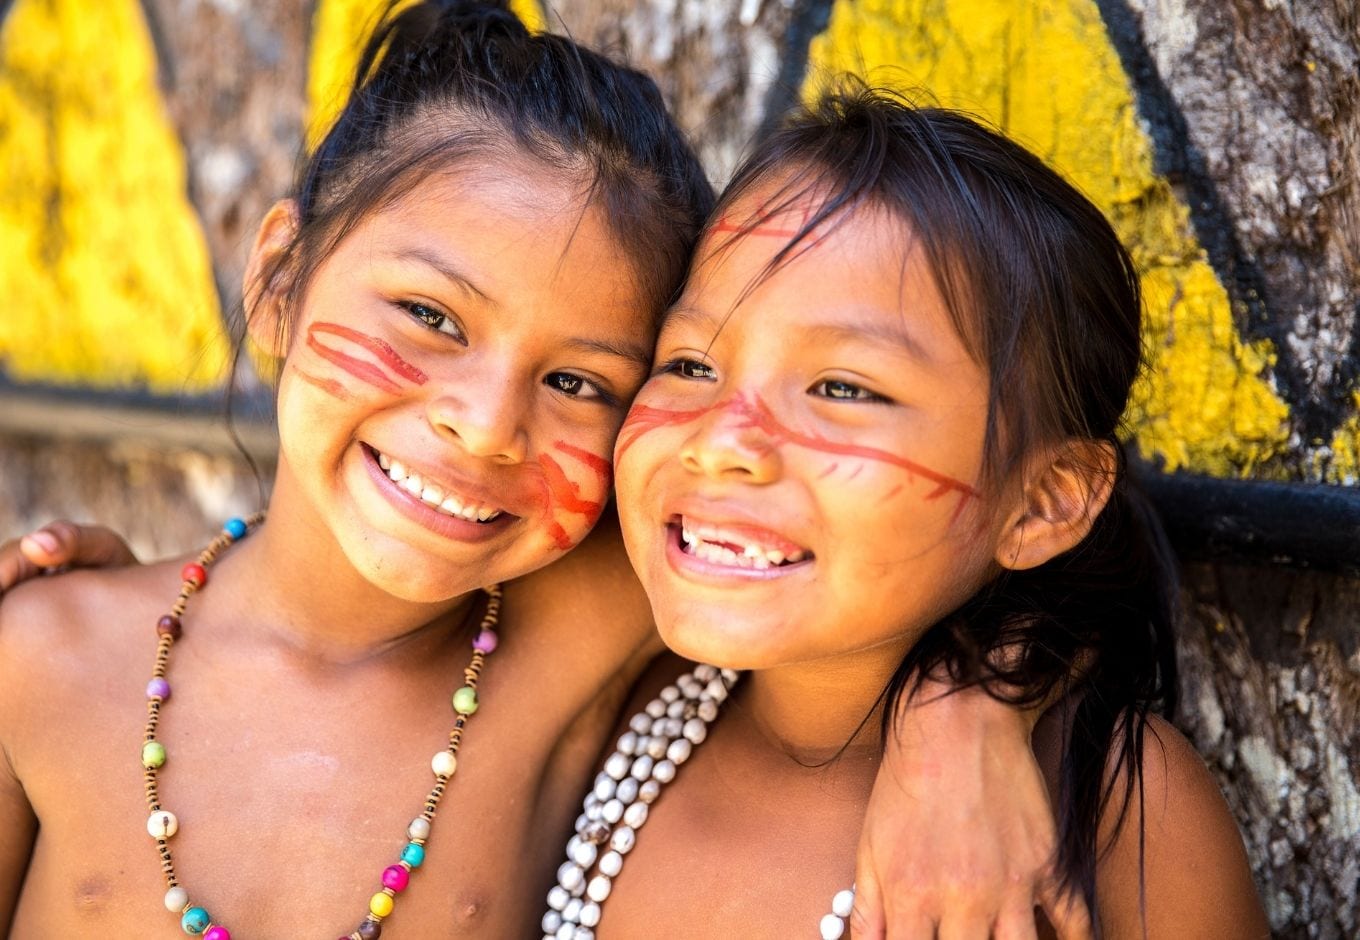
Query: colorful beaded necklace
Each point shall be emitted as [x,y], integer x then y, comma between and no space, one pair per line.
[648,755]
[161,824]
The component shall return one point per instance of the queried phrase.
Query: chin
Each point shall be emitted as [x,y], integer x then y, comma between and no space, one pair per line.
[725,642]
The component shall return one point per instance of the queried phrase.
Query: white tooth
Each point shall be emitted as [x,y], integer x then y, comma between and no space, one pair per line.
[761,563]
[687,536]
[728,556]
[384,461]
[484,514]
[432,495]
[752,551]
[774,557]
[397,471]
[797,556]
[412,485]
[451,506]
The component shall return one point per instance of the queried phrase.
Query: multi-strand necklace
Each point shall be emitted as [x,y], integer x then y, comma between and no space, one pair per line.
[648,755]
[162,824]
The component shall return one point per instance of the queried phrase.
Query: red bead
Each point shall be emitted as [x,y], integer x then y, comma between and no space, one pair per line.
[396,878]
[168,626]
[194,573]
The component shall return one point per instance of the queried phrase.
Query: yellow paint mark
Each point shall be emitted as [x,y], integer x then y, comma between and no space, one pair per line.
[339,30]
[1045,73]
[105,277]
[1344,465]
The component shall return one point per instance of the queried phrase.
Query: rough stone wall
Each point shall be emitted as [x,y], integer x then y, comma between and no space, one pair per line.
[142,141]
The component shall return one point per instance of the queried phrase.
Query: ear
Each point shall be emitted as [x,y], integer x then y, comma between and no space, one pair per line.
[267,279]
[1064,489]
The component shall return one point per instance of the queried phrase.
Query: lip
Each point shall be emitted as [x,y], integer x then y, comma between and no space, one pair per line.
[692,567]
[737,519]
[417,511]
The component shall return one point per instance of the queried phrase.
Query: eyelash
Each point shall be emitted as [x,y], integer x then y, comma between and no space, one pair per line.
[425,313]
[677,366]
[858,393]
[599,395]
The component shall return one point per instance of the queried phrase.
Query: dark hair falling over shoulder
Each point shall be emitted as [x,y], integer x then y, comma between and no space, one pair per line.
[1048,302]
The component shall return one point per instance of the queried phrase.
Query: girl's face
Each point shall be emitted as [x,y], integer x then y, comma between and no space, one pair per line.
[455,377]
[797,480]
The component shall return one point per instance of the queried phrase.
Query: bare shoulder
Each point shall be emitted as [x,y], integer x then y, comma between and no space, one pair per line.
[71,639]
[1177,839]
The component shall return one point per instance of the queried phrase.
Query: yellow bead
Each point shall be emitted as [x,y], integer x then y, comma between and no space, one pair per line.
[380,905]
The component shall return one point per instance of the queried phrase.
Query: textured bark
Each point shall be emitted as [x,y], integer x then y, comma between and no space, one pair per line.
[1270,679]
[1255,108]
[234,79]
[723,67]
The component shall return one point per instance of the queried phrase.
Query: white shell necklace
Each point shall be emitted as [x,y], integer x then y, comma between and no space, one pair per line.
[659,739]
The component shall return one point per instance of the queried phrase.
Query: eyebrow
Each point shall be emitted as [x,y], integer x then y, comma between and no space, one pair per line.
[637,354]
[892,333]
[443,266]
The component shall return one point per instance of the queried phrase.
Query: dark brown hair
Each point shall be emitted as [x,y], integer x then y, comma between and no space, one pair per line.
[1047,300]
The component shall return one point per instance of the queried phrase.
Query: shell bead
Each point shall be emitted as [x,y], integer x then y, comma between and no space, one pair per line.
[590,914]
[599,887]
[153,754]
[162,824]
[551,922]
[396,878]
[843,903]
[380,905]
[176,900]
[419,828]
[195,921]
[832,927]
[443,764]
[465,700]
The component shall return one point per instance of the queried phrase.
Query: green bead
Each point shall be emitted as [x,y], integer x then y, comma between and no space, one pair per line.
[465,700]
[153,754]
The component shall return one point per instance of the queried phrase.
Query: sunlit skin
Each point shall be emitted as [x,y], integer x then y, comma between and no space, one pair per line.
[833,415]
[465,331]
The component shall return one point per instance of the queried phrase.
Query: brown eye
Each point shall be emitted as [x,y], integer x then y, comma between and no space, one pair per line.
[844,391]
[689,369]
[434,320]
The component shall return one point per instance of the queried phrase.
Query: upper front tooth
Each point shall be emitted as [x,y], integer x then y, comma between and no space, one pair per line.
[384,461]
[413,485]
[397,471]
[485,514]
[451,505]
[432,495]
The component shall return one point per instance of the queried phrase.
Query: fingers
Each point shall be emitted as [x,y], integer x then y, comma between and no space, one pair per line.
[83,546]
[866,918]
[965,924]
[15,566]
[1066,911]
[1016,922]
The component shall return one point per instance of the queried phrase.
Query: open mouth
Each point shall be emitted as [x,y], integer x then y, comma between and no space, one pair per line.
[438,496]
[737,546]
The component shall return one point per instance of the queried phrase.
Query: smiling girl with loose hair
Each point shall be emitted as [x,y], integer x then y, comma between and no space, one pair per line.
[879,442]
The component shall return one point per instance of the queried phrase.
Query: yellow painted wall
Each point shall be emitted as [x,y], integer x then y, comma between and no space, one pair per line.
[1045,72]
[105,278]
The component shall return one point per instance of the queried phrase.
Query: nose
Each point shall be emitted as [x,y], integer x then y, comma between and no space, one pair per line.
[488,419]
[731,442]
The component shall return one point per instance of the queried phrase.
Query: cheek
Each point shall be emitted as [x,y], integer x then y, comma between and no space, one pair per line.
[347,363]
[573,484]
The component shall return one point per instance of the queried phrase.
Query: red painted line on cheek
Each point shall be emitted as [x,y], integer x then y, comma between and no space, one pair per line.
[365,372]
[642,419]
[380,349]
[329,386]
[828,471]
[566,494]
[602,467]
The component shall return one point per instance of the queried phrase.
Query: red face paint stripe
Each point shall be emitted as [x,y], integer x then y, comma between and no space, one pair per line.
[363,371]
[330,386]
[644,418]
[564,492]
[594,461]
[380,349]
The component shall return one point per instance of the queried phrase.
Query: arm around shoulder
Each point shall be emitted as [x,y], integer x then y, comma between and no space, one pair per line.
[17,820]
[1197,879]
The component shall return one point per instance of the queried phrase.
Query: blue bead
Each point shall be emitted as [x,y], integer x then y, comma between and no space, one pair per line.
[236,528]
[413,854]
[195,921]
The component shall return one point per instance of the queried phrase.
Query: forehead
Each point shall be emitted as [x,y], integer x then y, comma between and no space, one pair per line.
[860,270]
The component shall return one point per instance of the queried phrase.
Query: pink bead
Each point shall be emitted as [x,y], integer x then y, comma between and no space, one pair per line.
[486,642]
[158,688]
[217,933]
[396,878]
